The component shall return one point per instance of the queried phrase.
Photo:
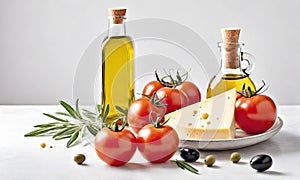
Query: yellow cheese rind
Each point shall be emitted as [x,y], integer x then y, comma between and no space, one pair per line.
[212,118]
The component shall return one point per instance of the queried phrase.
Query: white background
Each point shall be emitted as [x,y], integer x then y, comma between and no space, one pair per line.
[42,41]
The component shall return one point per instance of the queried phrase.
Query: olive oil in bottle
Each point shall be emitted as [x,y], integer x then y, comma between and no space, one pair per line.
[117,66]
[229,81]
[231,75]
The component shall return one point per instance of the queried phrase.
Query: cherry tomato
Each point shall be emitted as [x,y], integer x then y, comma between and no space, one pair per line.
[139,112]
[157,144]
[255,114]
[115,148]
[152,87]
[174,98]
[191,90]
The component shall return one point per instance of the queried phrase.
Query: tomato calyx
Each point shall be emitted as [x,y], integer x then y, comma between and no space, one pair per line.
[248,93]
[157,123]
[172,82]
[155,100]
[117,125]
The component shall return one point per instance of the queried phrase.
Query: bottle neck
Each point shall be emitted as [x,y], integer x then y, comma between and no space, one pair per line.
[116,28]
[230,58]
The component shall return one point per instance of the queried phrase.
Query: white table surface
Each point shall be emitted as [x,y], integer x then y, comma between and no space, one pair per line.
[23,158]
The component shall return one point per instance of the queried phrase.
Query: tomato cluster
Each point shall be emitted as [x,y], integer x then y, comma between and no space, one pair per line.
[157,143]
[176,96]
[162,97]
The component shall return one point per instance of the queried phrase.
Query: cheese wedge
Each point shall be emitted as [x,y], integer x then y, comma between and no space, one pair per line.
[212,118]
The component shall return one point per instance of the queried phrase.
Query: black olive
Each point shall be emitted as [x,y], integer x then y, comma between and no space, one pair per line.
[189,154]
[261,162]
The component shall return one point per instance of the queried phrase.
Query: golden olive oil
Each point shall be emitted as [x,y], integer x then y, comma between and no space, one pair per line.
[229,81]
[117,74]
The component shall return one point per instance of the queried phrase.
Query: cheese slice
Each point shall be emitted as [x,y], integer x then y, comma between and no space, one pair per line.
[212,118]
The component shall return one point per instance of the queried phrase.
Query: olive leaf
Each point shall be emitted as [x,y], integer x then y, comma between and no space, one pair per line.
[77,109]
[43,131]
[92,130]
[63,137]
[105,113]
[54,117]
[65,132]
[63,114]
[46,125]
[99,109]
[88,114]
[69,108]
[73,138]
[186,166]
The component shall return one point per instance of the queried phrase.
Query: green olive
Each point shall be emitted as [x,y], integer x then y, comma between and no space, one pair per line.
[79,158]
[235,157]
[209,160]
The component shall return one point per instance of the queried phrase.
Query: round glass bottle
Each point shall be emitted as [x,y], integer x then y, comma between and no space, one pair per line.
[234,71]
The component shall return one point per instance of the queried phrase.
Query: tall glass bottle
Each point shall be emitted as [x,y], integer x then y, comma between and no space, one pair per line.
[117,66]
[231,73]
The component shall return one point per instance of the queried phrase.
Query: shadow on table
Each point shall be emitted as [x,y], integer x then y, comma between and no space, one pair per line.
[171,164]
[274,173]
[289,143]
[283,142]
[135,166]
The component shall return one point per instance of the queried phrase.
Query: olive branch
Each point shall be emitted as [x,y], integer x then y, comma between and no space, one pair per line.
[72,124]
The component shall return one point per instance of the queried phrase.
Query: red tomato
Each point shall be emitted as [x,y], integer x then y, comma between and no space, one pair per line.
[115,148]
[255,114]
[174,98]
[238,95]
[139,112]
[152,87]
[157,145]
[191,90]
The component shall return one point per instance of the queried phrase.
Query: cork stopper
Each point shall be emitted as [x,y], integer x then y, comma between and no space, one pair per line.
[230,38]
[117,15]
[230,35]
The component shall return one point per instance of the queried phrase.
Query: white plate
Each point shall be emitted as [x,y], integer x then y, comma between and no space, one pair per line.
[242,139]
